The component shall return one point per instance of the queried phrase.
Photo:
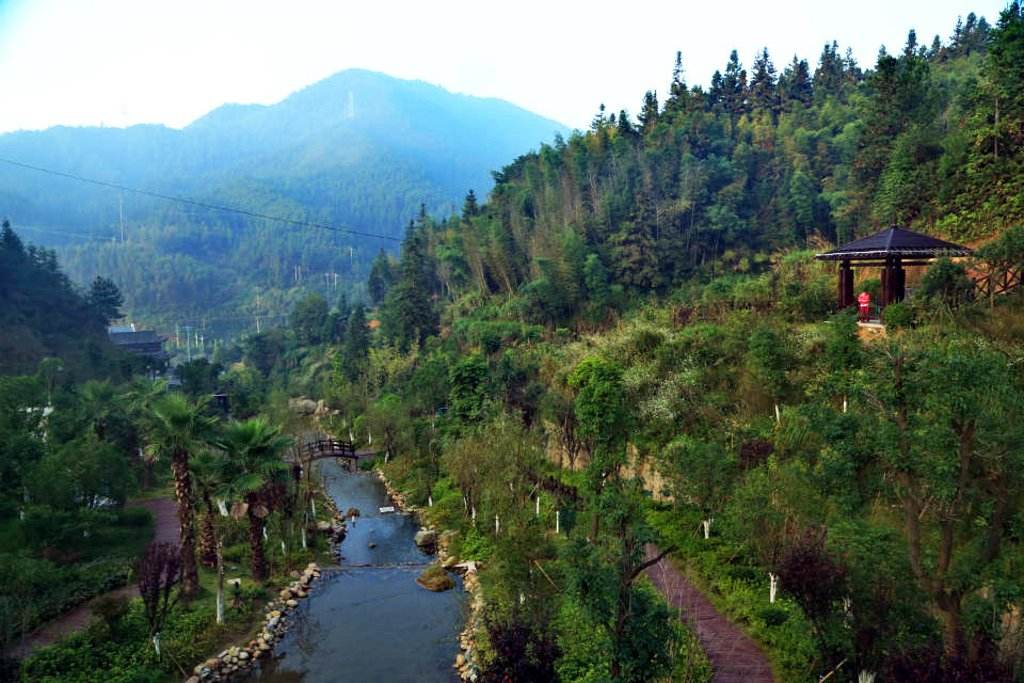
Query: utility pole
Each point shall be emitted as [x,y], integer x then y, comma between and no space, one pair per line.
[120,212]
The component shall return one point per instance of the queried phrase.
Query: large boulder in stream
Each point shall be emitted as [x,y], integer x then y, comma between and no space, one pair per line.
[426,539]
[435,578]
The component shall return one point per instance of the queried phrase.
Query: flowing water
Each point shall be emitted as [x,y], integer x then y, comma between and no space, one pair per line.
[369,621]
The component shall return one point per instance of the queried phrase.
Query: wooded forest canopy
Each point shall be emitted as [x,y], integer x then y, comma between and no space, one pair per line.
[769,158]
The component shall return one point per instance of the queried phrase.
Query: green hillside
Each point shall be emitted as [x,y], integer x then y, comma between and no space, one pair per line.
[359,150]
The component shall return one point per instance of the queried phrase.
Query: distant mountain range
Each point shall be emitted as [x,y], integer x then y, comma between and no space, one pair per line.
[359,149]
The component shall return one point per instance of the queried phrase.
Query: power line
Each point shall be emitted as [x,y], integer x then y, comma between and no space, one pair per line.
[193,202]
[66,233]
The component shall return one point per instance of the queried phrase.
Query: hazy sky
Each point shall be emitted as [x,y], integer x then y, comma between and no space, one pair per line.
[118,62]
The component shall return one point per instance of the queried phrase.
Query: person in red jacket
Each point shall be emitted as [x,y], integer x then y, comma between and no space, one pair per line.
[864,306]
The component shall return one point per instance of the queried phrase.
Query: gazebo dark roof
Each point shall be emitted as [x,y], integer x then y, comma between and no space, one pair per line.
[894,242]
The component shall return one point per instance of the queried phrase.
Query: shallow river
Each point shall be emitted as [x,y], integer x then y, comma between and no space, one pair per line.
[369,621]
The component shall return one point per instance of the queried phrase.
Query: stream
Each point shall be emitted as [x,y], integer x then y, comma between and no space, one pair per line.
[368,620]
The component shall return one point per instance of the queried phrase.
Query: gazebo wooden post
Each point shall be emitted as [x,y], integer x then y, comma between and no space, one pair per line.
[845,284]
[899,281]
[886,280]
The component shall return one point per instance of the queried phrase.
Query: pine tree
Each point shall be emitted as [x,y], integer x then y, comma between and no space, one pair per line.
[470,208]
[734,86]
[795,88]
[829,77]
[649,112]
[625,126]
[410,314]
[678,95]
[357,344]
[380,279]
[763,91]
[105,298]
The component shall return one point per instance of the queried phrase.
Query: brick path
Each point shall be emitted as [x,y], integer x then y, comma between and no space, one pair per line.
[735,658]
[165,530]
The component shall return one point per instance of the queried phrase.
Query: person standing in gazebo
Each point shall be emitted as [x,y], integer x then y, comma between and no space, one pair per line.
[864,306]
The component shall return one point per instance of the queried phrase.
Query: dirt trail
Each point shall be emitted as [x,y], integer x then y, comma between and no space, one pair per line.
[734,657]
[165,530]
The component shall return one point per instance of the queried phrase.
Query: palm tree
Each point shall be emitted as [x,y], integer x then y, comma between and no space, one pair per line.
[176,428]
[140,398]
[206,479]
[255,473]
[98,400]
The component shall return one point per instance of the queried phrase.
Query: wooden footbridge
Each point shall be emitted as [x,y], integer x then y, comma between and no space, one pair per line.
[319,446]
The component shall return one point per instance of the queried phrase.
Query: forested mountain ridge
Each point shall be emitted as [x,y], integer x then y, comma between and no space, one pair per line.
[706,180]
[358,149]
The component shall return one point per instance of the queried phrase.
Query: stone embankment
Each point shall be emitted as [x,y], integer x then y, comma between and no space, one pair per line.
[234,662]
[466,661]
[238,660]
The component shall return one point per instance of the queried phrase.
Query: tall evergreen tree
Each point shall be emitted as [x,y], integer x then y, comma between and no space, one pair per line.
[734,86]
[410,313]
[381,278]
[105,298]
[470,207]
[357,344]
[649,112]
[795,87]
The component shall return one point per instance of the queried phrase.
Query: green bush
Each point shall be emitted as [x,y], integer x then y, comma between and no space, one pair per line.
[136,517]
[898,316]
[773,616]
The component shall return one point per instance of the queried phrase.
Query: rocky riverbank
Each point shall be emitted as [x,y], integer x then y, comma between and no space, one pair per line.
[234,662]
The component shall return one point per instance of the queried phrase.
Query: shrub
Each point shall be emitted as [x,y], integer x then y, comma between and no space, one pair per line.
[898,316]
[811,575]
[948,282]
[773,616]
[136,517]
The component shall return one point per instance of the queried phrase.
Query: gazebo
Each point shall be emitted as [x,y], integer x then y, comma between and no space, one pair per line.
[891,250]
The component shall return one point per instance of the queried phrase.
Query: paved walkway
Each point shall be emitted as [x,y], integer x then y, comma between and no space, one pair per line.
[735,658]
[165,530]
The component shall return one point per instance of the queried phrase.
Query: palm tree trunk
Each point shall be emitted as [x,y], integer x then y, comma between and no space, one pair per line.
[208,535]
[259,560]
[187,522]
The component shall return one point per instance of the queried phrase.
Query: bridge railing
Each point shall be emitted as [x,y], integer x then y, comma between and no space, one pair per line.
[330,447]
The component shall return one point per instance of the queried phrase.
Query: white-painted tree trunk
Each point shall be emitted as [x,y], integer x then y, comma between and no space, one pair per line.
[156,643]
[558,514]
[312,506]
[706,526]
[778,414]
[304,546]
[845,403]
[536,507]
[220,582]
[222,507]
[497,525]
[773,586]
[265,537]
[430,501]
